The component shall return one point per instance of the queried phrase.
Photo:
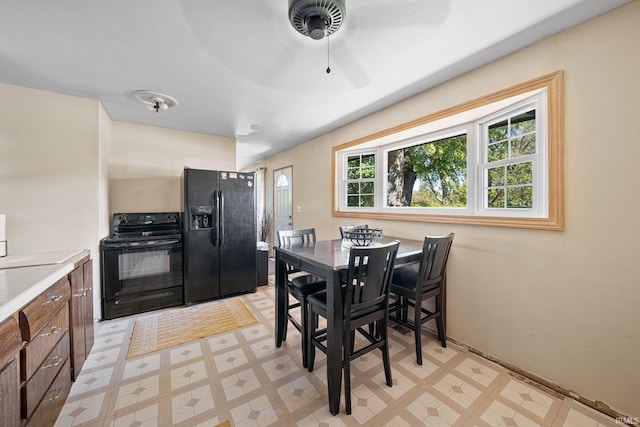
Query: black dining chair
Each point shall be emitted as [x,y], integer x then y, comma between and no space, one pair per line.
[413,284]
[299,284]
[365,302]
[344,228]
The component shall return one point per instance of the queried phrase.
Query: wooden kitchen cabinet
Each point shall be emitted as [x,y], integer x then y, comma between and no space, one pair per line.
[44,359]
[81,310]
[9,381]
[9,395]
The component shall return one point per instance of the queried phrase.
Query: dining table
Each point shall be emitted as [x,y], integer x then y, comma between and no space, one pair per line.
[328,259]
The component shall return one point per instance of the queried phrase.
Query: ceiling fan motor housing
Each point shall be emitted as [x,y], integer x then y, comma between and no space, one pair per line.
[316,18]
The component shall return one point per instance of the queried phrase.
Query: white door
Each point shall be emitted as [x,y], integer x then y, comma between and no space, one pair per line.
[282,199]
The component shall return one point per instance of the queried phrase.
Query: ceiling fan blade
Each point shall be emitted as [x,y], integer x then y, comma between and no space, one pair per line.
[280,62]
[347,63]
[409,13]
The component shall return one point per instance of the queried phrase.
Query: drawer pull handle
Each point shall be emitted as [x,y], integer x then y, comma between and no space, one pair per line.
[57,360]
[58,393]
[54,330]
[52,299]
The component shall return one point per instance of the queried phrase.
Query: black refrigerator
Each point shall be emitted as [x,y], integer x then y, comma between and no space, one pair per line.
[219,234]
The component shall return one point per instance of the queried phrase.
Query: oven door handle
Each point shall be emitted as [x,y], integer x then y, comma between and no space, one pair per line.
[150,244]
[154,244]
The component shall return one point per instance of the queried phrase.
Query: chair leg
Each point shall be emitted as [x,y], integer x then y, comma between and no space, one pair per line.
[346,362]
[310,326]
[286,316]
[440,321]
[441,335]
[396,309]
[304,309]
[385,358]
[405,309]
[417,321]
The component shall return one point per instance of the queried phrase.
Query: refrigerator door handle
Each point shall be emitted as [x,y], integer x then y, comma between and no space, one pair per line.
[214,225]
[221,217]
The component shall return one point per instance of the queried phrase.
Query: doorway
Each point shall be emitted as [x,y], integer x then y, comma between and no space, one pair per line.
[282,200]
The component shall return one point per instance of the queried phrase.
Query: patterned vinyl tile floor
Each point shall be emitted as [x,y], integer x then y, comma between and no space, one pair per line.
[240,377]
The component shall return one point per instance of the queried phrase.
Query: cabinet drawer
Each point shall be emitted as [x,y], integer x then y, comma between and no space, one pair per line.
[10,339]
[35,315]
[53,400]
[34,353]
[35,388]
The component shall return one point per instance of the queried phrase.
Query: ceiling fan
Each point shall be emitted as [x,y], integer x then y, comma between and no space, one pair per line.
[278,56]
[316,18]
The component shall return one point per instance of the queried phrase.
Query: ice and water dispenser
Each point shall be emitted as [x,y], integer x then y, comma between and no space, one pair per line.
[201,217]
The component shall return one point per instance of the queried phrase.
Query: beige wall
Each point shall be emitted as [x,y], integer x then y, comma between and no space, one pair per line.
[561,305]
[65,167]
[146,164]
[52,181]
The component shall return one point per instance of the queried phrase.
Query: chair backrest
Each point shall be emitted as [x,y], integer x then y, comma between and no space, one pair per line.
[369,277]
[435,253]
[296,237]
[344,228]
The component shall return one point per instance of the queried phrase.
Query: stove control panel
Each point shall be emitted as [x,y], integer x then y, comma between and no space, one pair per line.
[145,223]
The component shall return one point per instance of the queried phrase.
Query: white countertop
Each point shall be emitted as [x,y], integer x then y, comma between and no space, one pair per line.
[18,286]
[43,258]
[24,277]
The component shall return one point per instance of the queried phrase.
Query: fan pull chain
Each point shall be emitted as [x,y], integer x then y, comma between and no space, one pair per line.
[328,69]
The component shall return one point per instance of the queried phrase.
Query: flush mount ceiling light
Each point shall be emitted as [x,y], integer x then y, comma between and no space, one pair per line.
[316,18]
[155,100]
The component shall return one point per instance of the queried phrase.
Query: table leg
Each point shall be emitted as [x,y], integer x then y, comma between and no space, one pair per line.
[334,341]
[281,299]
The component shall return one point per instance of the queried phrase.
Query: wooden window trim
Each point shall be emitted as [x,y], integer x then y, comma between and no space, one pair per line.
[555,151]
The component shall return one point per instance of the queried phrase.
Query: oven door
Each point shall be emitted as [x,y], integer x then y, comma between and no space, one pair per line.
[141,275]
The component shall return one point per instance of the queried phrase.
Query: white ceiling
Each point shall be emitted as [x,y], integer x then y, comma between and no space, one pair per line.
[239,69]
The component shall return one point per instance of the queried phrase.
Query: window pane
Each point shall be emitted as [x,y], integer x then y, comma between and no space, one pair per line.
[520,173]
[498,131]
[353,188]
[359,167]
[353,201]
[512,138]
[496,177]
[523,146]
[520,197]
[432,174]
[368,160]
[367,201]
[366,187]
[353,162]
[361,173]
[495,198]
[523,123]
[511,185]
[497,151]
[368,173]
